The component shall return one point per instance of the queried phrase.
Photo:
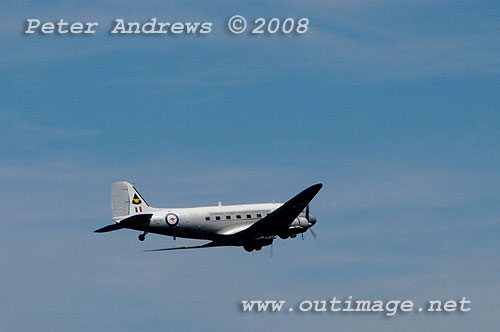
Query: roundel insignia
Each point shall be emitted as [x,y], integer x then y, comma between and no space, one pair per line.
[172,219]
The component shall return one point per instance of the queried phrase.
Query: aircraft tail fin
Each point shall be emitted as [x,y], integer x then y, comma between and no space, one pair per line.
[126,201]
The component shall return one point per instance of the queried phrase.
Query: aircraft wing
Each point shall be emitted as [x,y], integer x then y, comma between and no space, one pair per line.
[207,244]
[283,216]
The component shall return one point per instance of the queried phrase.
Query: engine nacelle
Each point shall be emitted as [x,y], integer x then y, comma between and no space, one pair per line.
[258,243]
[264,241]
[301,222]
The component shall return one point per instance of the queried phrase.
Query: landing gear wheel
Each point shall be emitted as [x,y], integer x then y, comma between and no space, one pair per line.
[142,237]
[248,248]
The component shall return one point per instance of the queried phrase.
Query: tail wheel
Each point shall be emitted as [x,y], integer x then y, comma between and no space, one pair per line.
[142,237]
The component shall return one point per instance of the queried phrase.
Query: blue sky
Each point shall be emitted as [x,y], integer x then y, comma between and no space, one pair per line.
[393,105]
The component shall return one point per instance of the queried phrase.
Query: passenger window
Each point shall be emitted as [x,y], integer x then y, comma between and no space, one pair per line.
[249,216]
[259,215]
[217,218]
[207,218]
[228,217]
[238,216]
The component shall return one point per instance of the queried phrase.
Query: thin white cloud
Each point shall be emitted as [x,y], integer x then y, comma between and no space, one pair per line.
[53,131]
[385,185]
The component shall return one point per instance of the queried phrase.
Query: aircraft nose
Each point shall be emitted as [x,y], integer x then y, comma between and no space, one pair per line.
[312,219]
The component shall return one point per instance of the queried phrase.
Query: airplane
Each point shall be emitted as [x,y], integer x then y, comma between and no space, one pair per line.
[250,226]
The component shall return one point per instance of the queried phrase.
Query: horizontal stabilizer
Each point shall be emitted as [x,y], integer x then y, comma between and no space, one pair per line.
[136,219]
[109,228]
[130,222]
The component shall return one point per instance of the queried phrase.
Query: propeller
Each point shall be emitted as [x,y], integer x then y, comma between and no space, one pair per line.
[313,233]
[310,228]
